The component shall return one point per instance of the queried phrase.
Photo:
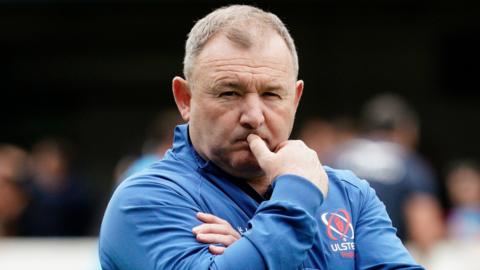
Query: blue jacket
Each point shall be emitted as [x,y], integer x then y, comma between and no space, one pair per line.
[148,222]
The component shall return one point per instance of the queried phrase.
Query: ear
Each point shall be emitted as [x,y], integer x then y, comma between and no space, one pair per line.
[298,92]
[182,95]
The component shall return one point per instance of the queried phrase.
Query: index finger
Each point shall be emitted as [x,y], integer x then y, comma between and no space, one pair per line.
[258,147]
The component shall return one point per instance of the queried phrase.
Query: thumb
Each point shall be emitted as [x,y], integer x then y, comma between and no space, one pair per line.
[259,148]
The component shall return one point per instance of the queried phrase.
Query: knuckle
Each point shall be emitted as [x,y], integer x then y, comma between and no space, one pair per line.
[224,230]
[294,142]
[231,239]
[299,142]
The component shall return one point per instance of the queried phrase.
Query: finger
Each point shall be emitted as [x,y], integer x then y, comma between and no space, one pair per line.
[216,229]
[216,250]
[209,218]
[258,147]
[210,238]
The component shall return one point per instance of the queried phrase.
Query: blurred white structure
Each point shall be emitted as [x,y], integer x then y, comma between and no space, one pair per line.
[81,254]
[49,254]
[448,255]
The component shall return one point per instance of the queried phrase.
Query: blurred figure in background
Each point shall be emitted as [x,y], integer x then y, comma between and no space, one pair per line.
[385,156]
[425,227]
[12,195]
[428,244]
[12,162]
[59,204]
[324,136]
[463,186]
[159,139]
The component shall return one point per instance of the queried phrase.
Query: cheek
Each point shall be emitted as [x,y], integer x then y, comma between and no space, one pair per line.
[216,129]
[204,116]
[280,120]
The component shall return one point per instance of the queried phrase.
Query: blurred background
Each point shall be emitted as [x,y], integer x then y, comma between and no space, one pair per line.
[392,92]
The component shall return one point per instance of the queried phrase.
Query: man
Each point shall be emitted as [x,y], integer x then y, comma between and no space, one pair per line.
[385,155]
[233,166]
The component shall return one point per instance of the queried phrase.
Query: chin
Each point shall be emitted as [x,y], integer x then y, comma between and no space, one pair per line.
[250,166]
[246,168]
[240,163]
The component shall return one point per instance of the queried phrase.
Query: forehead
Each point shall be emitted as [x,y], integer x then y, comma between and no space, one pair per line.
[267,56]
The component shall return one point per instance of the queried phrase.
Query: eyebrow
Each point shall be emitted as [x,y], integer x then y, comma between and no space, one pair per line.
[242,87]
[274,87]
[229,84]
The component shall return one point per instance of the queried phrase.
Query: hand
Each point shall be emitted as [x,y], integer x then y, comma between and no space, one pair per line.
[215,231]
[290,157]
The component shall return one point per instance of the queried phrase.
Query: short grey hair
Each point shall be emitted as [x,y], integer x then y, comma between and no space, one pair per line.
[235,20]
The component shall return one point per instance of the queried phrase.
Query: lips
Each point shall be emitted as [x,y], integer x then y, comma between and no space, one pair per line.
[243,139]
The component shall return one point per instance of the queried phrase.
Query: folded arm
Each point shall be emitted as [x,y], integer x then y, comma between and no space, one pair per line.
[155,231]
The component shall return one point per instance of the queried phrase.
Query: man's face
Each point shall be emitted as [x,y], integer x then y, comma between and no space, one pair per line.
[236,92]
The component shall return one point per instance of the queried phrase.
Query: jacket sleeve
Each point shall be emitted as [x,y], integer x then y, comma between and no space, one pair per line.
[376,243]
[149,226]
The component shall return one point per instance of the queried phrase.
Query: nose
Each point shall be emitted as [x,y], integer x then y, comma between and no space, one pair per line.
[252,113]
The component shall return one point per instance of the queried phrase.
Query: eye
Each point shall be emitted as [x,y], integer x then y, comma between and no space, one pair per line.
[228,94]
[270,94]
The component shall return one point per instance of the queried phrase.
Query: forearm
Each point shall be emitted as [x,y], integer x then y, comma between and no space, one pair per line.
[283,228]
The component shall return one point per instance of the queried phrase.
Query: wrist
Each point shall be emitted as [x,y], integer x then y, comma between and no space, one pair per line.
[298,190]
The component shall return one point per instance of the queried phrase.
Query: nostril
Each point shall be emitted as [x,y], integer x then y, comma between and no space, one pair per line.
[251,121]
[248,125]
